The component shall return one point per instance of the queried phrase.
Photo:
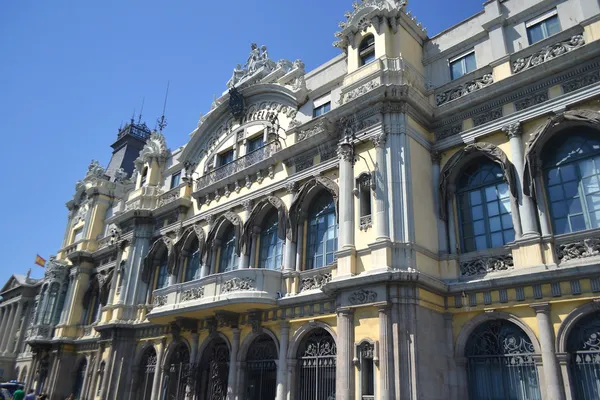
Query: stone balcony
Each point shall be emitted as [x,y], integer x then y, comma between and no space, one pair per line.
[238,290]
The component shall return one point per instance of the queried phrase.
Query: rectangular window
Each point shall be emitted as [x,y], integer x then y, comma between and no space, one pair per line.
[321,105]
[542,26]
[225,158]
[255,143]
[462,65]
[175,180]
[78,235]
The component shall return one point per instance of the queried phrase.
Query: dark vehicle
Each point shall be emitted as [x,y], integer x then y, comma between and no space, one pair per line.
[8,389]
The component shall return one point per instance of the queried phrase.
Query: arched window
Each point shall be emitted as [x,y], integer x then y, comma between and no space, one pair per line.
[583,345]
[192,270]
[213,371]
[271,245]
[175,381]
[572,176]
[500,363]
[366,50]
[50,309]
[316,364]
[79,378]
[92,307]
[162,275]
[261,369]
[484,207]
[322,232]
[146,374]
[228,259]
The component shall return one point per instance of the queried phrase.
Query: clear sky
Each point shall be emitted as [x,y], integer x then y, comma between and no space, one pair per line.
[72,71]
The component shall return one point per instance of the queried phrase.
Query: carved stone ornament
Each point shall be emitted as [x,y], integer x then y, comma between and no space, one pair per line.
[160,301]
[366,221]
[379,140]
[95,170]
[248,205]
[319,128]
[192,294]
[362,296]
[486,265]
[315,282]
[578,250]
[464,89]
[248,181]
[486,117]
[512,130]
[359,91]
[120,176]
[581,81]
[548,53]
[346,151]
[291,187]
[155,148]
[238,284]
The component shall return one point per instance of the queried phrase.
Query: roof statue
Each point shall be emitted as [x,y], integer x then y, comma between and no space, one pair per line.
[258,59]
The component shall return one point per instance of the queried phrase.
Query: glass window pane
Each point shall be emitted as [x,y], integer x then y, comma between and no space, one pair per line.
[503,191]
[587,167]
[490,193]
[553,177]
[456,69]
[571,189]
[552,25]
[479,228]
[477,212]
[590,185]
[481,242]
[495,224]
[470,63]
[469,245]
[561,225]
[567,173]
[505,206]
[559,209]
[574,206]
[595,219]
[577,223]
[492,209]
[497,239]
[475,197]
[507,221]
[509,236]
[593,202]
[535,34]
[555,193]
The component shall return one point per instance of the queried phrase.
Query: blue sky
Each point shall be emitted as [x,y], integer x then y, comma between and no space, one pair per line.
[72,71]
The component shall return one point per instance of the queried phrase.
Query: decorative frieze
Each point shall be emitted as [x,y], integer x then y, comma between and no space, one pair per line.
[487,117]
[319,128]
[577,250]
[486,265]
[464,89]
[449,131]
[548,53]
[362,296]
[237,284]
[160,301]
[530,101]
[192,294]
[315,282]
[366,221]
[359,91]
[581,81]
[168,197]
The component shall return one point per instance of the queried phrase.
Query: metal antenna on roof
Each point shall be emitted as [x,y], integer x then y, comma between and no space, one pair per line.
[141,110]
[133,116]
[162,122]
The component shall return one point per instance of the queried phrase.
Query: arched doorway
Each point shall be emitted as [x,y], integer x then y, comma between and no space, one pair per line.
[23,376]
[213,371]
[261,369]
[584,347]
[316,366]
[176,376]
[79,378]
[500,361]
[147,369]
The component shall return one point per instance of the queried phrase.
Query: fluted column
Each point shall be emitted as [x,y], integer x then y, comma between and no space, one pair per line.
[9,321]
[282,366]
[345,344]
[10,348]
[386,366]
[235,345]
[382,230]
[552,375]
[527,208]
[346,211]
[158,371]
[253,246]
[441,225]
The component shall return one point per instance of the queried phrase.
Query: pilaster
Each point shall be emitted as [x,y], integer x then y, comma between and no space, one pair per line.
[282,365]
[235,345]
[345,344]
[386,365]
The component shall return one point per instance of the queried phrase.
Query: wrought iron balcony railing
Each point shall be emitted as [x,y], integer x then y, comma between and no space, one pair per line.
[246,161]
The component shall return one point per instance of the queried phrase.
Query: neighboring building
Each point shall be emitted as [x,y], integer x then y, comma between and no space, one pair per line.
[417,218]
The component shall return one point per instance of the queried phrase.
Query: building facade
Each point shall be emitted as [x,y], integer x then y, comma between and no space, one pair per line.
[417,218]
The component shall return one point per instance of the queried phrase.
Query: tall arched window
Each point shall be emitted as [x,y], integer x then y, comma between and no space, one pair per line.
[271,245]
[572,176]
[584,347]
[316,363]
[366,50]
[500,363]
[79,378]
[146,374]
[322,233]
[484,207]
[162,275]
[92,307]
[228,259]
[192,270]
[213,371]
[48,316]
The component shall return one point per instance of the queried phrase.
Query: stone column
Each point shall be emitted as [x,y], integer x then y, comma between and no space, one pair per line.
[552,375]
[386,366]
[8,327]
[11,345]
[346,208]
[527,209]
[3,312]
[542,209]
[452,383]
[113,282]
[282,366]
[69,299]
[300,245]
[245,258]
[213,256]
[253,246]
[441,225]
[382,231]
[156,389]
[235,345]
[289,261]
[345,345]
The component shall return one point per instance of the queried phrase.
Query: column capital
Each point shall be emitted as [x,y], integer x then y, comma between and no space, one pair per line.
[291,187]
[379,140]
[284,325]
[248,205]
[436,156]
[345,312]
[384,308]
[541,308]
[346,150]
[512,130]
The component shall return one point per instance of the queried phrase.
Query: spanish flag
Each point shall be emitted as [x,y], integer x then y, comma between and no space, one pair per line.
[40,261]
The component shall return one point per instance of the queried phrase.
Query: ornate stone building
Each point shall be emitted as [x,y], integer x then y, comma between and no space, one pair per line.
[417,218]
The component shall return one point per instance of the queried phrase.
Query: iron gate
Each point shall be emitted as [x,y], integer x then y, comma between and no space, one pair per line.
[261,369]
[584,346]
[317,356]
[176,378]
[146,374]
[214,372]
